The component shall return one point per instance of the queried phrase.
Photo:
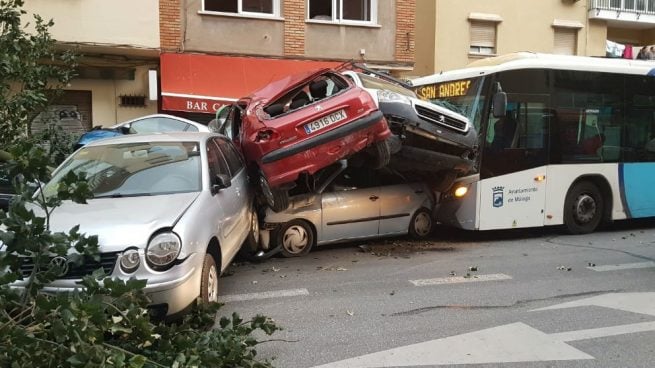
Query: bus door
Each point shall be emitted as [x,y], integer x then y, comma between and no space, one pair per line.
[513,171]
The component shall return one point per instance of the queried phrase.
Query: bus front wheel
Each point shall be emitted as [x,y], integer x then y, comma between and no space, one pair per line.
[583,208]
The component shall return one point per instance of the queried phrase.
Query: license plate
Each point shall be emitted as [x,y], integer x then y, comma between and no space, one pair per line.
[328,120]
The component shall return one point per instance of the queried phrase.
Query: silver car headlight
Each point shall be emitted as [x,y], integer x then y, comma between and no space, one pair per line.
[388,96]
[130,260]
[162,250]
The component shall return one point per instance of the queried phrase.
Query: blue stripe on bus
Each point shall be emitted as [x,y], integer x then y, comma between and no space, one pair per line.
[651,73]
[638,188]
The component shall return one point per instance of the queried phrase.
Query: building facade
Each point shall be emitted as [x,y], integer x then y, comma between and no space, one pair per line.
[452,34]
[216,51]
[117,48]
[189,57]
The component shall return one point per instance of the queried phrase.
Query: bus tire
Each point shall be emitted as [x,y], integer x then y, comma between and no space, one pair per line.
[583,208]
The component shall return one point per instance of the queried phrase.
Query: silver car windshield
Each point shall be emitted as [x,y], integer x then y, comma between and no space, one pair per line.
[135,169]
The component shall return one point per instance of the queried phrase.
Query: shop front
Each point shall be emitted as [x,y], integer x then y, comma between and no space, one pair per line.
[195,86]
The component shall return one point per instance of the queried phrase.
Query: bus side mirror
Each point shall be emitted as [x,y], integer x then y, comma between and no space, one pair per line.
[500,104]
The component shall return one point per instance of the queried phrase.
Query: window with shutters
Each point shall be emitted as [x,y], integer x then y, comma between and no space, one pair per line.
[483,37]
[566,41]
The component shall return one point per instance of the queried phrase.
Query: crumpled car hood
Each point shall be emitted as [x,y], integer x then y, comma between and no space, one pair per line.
[122,222]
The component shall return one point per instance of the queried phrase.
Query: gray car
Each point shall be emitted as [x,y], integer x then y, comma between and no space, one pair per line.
[173,209]
[356,204]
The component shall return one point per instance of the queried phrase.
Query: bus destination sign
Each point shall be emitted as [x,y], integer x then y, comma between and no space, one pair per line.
[443,90]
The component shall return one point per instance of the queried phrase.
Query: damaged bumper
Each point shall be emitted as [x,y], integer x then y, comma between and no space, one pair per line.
[429,123]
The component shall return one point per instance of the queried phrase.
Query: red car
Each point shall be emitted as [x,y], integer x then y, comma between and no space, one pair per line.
[301,124]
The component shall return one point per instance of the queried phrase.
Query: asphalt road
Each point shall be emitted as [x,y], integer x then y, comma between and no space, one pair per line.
[460,298]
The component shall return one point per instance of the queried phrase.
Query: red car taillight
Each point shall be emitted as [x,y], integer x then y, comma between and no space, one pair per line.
[265,135]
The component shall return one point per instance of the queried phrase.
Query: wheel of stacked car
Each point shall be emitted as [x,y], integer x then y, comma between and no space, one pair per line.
[296,238]
[421,225]
[209,280]
[381,154]
[277,199]
[250,246]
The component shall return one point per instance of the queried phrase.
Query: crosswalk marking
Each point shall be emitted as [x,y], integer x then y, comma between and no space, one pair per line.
[624,266]
[461,279]
[263,295]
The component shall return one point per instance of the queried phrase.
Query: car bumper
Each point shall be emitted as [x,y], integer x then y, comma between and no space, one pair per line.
[285,165]
[406,114]
[175,289]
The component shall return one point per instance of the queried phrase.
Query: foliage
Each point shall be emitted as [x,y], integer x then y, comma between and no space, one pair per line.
[58,142]
[106,322]
[31,69]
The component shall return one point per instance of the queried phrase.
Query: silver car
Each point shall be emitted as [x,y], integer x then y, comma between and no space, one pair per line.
[355,204]
[173,209]
[149,124]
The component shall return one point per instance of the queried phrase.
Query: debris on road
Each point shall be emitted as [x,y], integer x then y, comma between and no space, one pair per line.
[564,268]
[350,313]
[473,268]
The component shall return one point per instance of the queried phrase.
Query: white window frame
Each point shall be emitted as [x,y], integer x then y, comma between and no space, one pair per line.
[245,14]
[338,18]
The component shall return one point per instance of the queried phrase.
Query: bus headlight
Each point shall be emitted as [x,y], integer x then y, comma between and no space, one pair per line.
[461,191]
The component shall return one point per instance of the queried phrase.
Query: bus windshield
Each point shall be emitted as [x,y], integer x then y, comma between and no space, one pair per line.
[462,96]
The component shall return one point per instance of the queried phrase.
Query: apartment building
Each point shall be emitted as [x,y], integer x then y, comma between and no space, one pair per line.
[455,33]
[189,57]
[118,44]
[216,51]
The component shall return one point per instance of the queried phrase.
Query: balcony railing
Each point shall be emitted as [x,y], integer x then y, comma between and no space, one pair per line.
[624,6]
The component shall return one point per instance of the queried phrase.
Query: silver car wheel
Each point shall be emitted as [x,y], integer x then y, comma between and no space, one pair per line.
[295,239]
[254,226]
[212,285]
[422,224]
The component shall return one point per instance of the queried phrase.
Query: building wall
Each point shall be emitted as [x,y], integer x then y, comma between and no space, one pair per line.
[346,42]
[225,34]
[105,97]
[426,24]
[101,21]
[292,35]
[525,26]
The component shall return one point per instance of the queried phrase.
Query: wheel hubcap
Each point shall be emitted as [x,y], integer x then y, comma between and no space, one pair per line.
[585,208]
[212,285]
[422,224]
[295,239]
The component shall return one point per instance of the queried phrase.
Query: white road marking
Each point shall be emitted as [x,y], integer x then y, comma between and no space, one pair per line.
[460,279]
[595,333]
[263,295]
[643,303]
[624,266]
[513,343]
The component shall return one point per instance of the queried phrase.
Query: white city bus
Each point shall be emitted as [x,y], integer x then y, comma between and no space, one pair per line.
[562,140]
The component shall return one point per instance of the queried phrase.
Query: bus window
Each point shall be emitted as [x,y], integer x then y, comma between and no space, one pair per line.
[466,97]
[589,108]
[640,118]
[519,140]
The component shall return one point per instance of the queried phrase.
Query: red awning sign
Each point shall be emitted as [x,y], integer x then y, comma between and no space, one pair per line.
[203,83]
